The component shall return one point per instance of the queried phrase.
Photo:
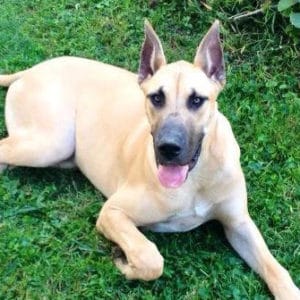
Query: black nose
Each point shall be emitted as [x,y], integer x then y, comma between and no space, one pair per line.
[169,150]
[171,142]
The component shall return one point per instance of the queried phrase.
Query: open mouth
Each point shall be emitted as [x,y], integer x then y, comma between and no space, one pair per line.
[172,175]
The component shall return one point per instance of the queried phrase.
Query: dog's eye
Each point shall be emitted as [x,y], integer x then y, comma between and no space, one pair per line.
[157,99]
[195,101]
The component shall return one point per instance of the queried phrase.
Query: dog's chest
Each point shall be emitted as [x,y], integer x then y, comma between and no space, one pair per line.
[187,218]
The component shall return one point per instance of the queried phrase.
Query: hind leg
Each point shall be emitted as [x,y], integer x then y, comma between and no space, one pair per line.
[34,150]
[40,119]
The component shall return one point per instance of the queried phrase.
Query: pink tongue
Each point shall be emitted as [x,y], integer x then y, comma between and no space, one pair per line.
[172,176]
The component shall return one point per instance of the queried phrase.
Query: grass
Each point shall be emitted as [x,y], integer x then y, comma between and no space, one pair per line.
[49,246]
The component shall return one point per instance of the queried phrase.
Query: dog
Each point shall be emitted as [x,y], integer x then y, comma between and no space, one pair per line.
[154,143]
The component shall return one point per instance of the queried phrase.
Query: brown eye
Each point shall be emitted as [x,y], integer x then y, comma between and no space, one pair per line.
[195,101]
[157,99]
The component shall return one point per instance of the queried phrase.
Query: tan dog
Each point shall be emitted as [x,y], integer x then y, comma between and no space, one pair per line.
[171,169]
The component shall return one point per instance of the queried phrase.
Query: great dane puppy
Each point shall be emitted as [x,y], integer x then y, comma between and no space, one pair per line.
[154,143]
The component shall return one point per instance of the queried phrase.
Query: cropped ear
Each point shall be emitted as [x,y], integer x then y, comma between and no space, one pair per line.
[209,55]
[152,54]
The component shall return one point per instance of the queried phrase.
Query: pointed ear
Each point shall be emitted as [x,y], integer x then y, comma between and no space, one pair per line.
[152,54]
[209,54]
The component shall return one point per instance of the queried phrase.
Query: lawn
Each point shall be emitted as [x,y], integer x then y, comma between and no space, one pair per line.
[49,248]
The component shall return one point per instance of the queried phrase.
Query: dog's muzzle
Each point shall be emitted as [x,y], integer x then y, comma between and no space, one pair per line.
[175,154]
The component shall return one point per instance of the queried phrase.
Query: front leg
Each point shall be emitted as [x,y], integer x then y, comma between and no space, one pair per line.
[116,223]
[246,239]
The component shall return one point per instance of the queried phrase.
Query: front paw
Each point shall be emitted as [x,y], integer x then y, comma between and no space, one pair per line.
[143,262]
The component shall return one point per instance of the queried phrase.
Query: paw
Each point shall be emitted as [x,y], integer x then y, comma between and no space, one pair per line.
[145,263]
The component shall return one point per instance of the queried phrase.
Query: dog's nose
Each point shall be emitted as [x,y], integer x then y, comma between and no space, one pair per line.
[169,150]
[170,141]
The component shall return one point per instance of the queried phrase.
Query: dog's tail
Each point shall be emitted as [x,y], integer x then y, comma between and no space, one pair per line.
[7,80]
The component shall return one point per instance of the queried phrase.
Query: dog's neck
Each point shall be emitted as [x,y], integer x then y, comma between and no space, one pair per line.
[212,156]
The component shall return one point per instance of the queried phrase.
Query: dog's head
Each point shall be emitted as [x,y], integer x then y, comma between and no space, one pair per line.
[180,102]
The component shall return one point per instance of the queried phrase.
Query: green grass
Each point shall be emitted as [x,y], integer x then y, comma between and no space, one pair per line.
[49,248]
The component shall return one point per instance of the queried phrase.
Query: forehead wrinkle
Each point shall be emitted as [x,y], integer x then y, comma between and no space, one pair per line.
[178,80]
